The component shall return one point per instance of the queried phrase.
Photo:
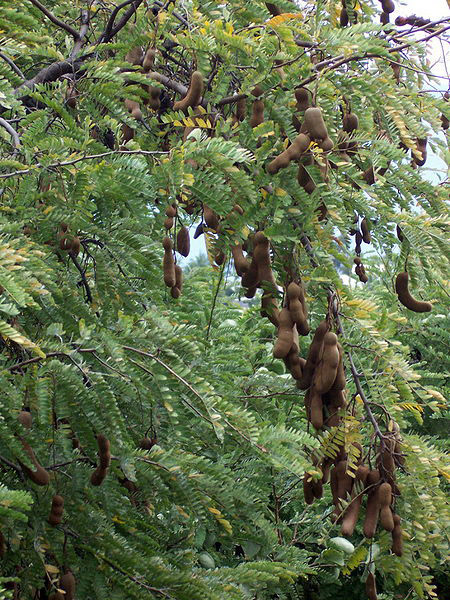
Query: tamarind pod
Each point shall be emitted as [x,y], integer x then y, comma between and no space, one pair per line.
[326,370]
[250,277]
[238,208]
[295,344]
[183,241]
[327,144]
[397,537]
[210,217]
[343,18]
[361,272]
[422,148]
[333,420]
[269,309]
[317,488]
[104,452]
[326,465]
[40,476]
[261,255]
[401,287]
[67,583]
[147,443]
[398,455]
[369,175]
[313,355]
[334,399]
[384,18]
[134,56]
[339,381]
[241,110]
[293,152]
[251,291]
[296,310]
[257,113]
[127,133]
[345,481]
[153,99]
[399,232]
[307,489]
[65,242]
[134,109]
[371,589]
[388,6]
[293,363]
[57,596]
[373,504]
[358,240]
[302,95]
[149,60]
[241,264]
[386,519]
[285,334]
[304,179]
[315,124]
[367,238]
[168,223]
[219,258]
[198,231]
[171,211]
[351,513]
[194,93]
[25,419]
[316,409]
[296,124]
[350,122]
[168,263]
[334,485]
[178,277]
[75,246]
[257,91]
[129,485]
[56,510]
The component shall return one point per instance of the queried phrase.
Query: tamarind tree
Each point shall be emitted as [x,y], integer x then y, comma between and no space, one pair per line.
[271,425]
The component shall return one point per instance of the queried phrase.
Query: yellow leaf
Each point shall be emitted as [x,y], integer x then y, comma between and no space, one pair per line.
[117,520]
[51,569]
[226,525]
[279,19]
[214,511]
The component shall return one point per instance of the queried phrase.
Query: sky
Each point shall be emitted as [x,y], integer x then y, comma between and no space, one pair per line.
[431,9]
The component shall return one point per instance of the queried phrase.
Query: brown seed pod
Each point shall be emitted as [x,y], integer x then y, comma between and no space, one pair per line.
[351,513]
[385,496]
[194,93]
[302,95]
[241,110]
[104,454]
[361,272]
[56,510]
[369,175]
[25,419]
[154,100]
[326,369]
[241,264]
[257,113]
[285,334]
[316,409]
[313,356]
[178,280]
[397,537]
[219,258]
[293,152]
[257,91]
[444,120]
[134,56]
[350,122]
[339,382]
[308,489]
[183,241]
[261,256]
[384,18]
[269,308]
[367,238]
[343,18]
[171,211]
[67,583]
[314,123]
[422,148]
[210,217]
[399,232]
[295,296]
[388,6]
[341,487]
[134,109]
[317,488]
[149,60]
[373,504]
[198,231]
[304,178]
[147,443]
[294,363]
[40,476]
[168,263]
[401,287]
[65,242]
[75,246]
[327,144]
[371,588]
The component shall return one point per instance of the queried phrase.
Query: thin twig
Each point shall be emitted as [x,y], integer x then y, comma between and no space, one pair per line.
[215,300]
[55,20]
[12,64]
[10,464]
[12,132]
[84,281]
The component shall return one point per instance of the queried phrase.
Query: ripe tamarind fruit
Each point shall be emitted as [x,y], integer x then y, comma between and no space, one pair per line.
[285,334]
[198,231]
[210,217]
[444,120]
[350,122]
[341,487]
[397,537]
[384,18]
[326,369]
[373,504]
[302,95]
[257,91]
[25,419]
[340,381]
[241,264]
[361,272]
[308,489]
[315,409]
[168,263]
[194,93]
[371,588]
[147,443]
[149,60]
[40,476]
[422,148]
[295,296]
[67,583]
[104,454]
[314,123]
[385,497]
[293,152]
[75,246]
[56,510]
[134,109]
[134,56]
[313,356]
[269,308]
[343,18]
[241,110]
[401,287]
[175,291]
[317,488]
[154,97]
[294,364]
[367,238]
[261,255]
[388,6]
[351,513]
[327,144]
[257,116]
[369,175]
[183,241]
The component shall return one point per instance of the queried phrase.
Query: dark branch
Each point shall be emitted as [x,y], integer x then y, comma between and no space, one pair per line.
[110,30]
[12,64]
[83,278]
[12,132]
[55,20]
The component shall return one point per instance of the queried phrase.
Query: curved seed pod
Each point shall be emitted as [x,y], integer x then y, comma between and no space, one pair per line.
[293,152]
[269,308]
[211,218]
[168,263]
[371,588]
[261,255]
[397,537]
[444,120]
[350,122]
[369,175]
[341,487]
[313,355]
[422,148]
[257,113]
[154,94]
[134,109]
[241,109]
[361,272]
[294,363]
[199,230]
[183,241]
[285,334]
[304,178]
[250,277]
[104,454]
[385,497]
[219,258]
[316,409]
[388,6]
[67,583]
[40,476]
[194,93]
[308,489]
[373,504]
[367,238]
[56,510]
[343,18]
[25,419]
[75,246]
[326,370]
[302,95]
[241,264]
[134,56]
[351,513]
[401,287]
[317,488]
[171,211]
[399,232]
[168,223]
[327,144]
[340,381]
[147,443]
[257,91]
[398,454]
[175,291]
[296,299]
[149,60]
[384,18]
[314,123]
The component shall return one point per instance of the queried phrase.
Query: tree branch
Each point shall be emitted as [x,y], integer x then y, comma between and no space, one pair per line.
[12,64]
[110,30]
[12,132]
[55,20]
[83,31]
